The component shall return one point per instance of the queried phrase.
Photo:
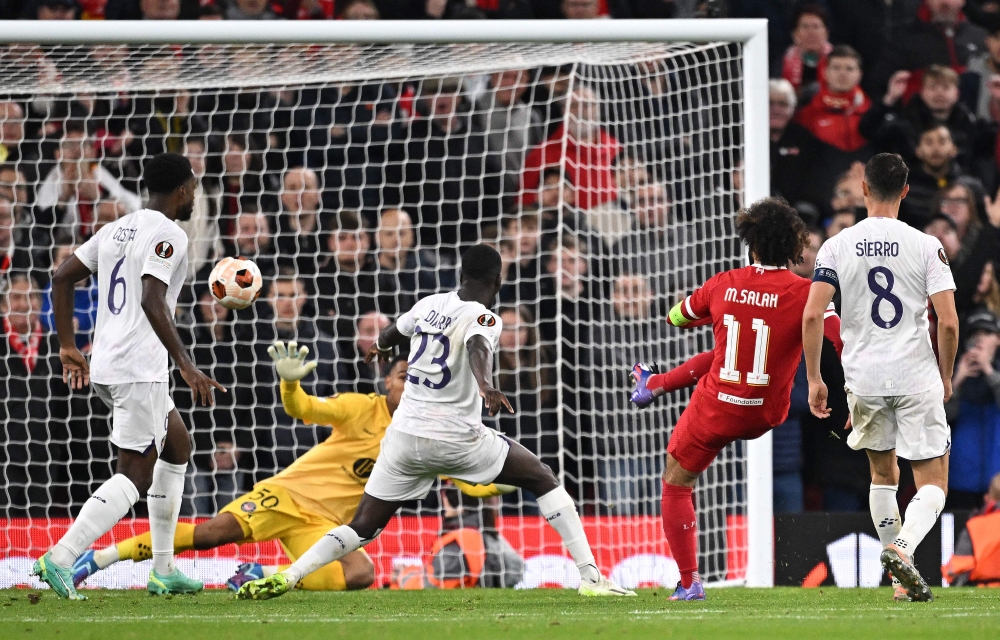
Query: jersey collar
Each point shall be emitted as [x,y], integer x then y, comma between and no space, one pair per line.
[758,265]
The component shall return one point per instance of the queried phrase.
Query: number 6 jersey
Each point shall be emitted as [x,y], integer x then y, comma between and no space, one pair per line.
[144,242]
[885,271]
[756,315]
[441,398]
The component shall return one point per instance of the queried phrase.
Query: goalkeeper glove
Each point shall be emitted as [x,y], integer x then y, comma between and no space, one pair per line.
[291,365]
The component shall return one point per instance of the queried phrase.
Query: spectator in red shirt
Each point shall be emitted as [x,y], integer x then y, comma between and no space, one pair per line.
[589,159]
[834,113]
[805,61]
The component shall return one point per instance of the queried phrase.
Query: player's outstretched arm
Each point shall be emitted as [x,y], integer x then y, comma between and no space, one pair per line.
[76,371]
[481,361]
[154,305]
[947,336]
[291,365]
[813,319]
[390,338]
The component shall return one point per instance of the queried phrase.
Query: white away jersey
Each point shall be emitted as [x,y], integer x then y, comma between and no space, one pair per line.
[145,242]
[441,398]
[885,271]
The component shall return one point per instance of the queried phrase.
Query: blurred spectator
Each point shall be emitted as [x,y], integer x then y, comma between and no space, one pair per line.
[50,10]
[405,274]
[833,117]
[243,181]
[346,281]
[588,162]
[253,240]
[357,10]
[202,229]
[940,35]
[555,189]
[525,232]
[987,67]
[12,257]
[212,344]
[525,376]
[512,127]
[958,202]
[659,246]
[353,373]
[945,230]
[841,220]
[935,170]
[790,143]
[974,413]
[68,198]
[151,10]
[211,12]
[804,64]
[11,131]
[220,483]
[580,9]
[808,264]
[892,127]
[298,223]
[786,447]
[249,10]
[988,290]
[451,181]
[84,302]
[33,404]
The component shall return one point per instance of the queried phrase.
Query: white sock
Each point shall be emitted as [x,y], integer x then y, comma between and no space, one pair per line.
[109,504]
[560,512]
[885,512]
[336,544]
[164,502]
[107,557]
[921,514]
[268,570]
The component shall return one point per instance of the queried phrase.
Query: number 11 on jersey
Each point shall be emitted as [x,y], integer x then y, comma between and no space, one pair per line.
[729,372]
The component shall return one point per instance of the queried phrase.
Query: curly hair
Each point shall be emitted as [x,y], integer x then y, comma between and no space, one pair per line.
[773,231]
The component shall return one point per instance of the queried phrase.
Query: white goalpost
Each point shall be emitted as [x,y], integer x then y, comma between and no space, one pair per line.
[606,160]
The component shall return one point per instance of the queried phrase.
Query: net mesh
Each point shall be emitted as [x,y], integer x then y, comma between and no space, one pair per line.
[607,175]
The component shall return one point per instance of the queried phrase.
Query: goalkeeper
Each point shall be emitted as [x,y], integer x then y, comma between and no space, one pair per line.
[298,506]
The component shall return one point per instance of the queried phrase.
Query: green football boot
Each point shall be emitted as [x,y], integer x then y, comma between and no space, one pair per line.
[59,579]
[175,583]
[265,588]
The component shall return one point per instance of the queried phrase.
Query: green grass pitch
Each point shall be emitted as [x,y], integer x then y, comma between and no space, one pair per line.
[415,615]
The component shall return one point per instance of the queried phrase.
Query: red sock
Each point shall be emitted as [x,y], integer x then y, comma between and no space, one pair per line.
[680,527]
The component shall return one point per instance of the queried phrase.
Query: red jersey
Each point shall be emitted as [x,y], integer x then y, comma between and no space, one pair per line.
[756,315]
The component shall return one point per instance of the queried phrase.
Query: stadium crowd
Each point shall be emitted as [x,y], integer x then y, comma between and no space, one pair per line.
[354,200]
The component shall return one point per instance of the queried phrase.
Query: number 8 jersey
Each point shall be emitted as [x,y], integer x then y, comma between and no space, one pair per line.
[144,242]
[441,398]
[885,271]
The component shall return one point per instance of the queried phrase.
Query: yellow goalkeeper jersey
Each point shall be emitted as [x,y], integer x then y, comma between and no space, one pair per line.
[328,480]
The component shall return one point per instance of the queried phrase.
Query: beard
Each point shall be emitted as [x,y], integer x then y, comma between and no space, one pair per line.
[185,212]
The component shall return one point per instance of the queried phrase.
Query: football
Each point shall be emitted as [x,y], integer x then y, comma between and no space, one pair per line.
[235,282]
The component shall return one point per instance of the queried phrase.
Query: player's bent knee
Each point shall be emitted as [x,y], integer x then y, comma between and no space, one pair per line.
[359,571]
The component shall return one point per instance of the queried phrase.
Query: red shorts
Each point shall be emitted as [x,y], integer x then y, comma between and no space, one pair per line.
[707,426]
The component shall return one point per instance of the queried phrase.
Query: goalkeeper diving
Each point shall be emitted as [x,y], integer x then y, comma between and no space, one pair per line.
[299,505]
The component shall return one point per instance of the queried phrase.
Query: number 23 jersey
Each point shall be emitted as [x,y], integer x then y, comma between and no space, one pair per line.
[885,271]
[441,397]
[144,242]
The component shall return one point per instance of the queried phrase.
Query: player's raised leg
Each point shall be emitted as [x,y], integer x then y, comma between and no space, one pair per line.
[523,469]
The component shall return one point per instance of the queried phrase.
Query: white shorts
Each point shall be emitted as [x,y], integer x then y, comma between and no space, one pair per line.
[407,465]
[138,414]
[915,425]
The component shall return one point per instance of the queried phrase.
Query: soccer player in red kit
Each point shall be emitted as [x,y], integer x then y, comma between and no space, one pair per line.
[756,314]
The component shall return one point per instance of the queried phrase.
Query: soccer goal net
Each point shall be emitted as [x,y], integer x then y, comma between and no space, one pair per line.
[605,165]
